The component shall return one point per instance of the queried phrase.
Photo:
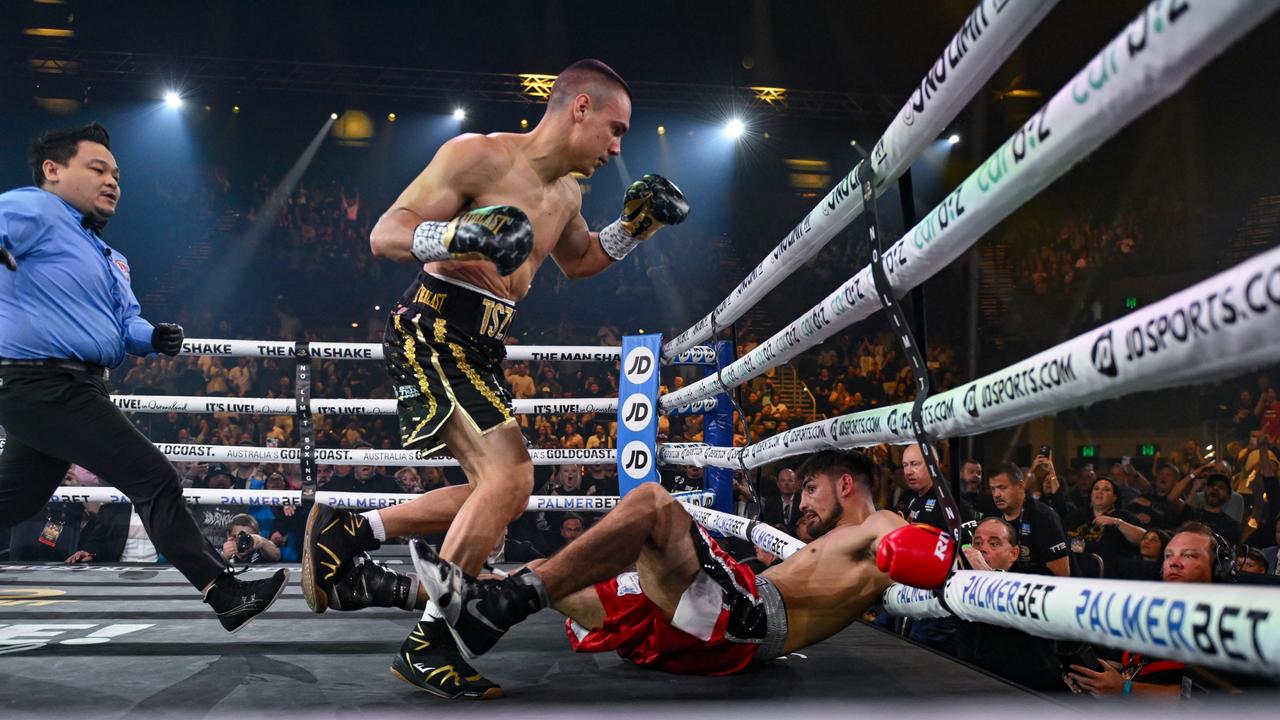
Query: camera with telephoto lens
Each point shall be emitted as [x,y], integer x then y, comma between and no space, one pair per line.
[244,542]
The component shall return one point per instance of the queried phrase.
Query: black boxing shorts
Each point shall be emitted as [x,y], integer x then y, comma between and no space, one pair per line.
[444,348]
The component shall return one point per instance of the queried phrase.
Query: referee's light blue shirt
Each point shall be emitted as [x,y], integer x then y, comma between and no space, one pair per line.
[70,298]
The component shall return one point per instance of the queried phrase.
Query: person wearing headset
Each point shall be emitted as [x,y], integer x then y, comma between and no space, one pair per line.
[1195,554]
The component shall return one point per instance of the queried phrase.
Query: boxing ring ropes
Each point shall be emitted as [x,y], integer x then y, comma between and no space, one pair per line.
[1221,326]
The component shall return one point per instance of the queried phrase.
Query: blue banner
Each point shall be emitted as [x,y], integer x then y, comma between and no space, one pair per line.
[638,411]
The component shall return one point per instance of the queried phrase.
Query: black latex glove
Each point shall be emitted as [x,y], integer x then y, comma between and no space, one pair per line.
[167,338]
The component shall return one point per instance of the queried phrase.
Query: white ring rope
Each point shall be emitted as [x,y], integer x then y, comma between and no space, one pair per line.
[368,456]
[373,351]
[1113,89]
[764,536]
[325,406]
[1223,626]
[352,500]
[988,36]
[1232,627]
[1221,326]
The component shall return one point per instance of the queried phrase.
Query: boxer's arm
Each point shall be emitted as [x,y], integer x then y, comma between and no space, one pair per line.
[460,170]
[578,252]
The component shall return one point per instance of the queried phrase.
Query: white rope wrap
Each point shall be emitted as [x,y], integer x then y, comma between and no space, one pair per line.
[324,406]
[989,35]
[1221,326]
[373,351]
[366,456]
[429,241]
[1080,117]
[1232,627]
[616,242]
[353,500]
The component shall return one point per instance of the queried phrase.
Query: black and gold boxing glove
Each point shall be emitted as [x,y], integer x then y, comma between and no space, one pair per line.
[649,203]
[501,234]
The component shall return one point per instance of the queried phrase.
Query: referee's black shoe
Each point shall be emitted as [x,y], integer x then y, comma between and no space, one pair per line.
[334,539]
[429,660]
[238,601]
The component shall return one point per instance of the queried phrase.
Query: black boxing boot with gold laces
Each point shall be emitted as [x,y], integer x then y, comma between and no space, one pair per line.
[430,661]
[334,539]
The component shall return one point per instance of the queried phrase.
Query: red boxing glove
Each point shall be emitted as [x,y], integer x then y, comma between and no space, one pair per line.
[917,555]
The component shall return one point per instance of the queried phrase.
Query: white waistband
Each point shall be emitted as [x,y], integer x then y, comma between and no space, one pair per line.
[469,286]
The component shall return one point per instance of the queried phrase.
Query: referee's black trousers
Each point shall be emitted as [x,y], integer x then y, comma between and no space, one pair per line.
[56,417]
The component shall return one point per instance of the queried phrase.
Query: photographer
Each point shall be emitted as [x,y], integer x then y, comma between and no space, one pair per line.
[245,546]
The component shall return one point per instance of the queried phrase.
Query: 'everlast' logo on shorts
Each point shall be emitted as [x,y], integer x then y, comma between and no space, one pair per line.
[433,300]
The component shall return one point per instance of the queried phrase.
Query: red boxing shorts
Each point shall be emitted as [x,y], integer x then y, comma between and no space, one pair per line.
[725,619]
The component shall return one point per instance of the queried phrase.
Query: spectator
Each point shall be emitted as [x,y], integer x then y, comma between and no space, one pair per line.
[522,385]
[600,438]
[1042,545]
[569,528]
[114,534]
[688,479]
[1269,554]
[603,478]
[282,524]
[1252,561]
[432,478]
[364,478]
[971,485]
[408,480]
[1191,556]
[1217,491]
[1008,653]
[1146,566]
[923,506]
[1106,531]
[1154,509]
[783,511]
[52,534]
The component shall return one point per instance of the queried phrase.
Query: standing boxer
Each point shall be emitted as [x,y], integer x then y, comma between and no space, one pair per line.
[67,314]
[481,219]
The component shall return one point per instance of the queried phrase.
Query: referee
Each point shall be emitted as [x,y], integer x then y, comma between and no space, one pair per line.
[67,314]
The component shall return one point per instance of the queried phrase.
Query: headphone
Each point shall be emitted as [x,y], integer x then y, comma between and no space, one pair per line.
[1222,563]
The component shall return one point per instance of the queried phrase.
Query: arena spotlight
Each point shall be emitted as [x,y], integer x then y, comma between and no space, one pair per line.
[734,129]
[235,109]
[172,100]
[662,129]
[391,117]
[953,139]
[333,116]
[459,114]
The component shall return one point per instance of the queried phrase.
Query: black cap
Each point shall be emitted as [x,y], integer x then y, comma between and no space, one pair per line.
[218,469]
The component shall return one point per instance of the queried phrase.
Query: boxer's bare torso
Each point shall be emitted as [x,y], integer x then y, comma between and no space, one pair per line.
[833,580]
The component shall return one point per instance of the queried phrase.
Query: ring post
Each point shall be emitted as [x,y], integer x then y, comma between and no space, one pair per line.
[638,411]
[717,431]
